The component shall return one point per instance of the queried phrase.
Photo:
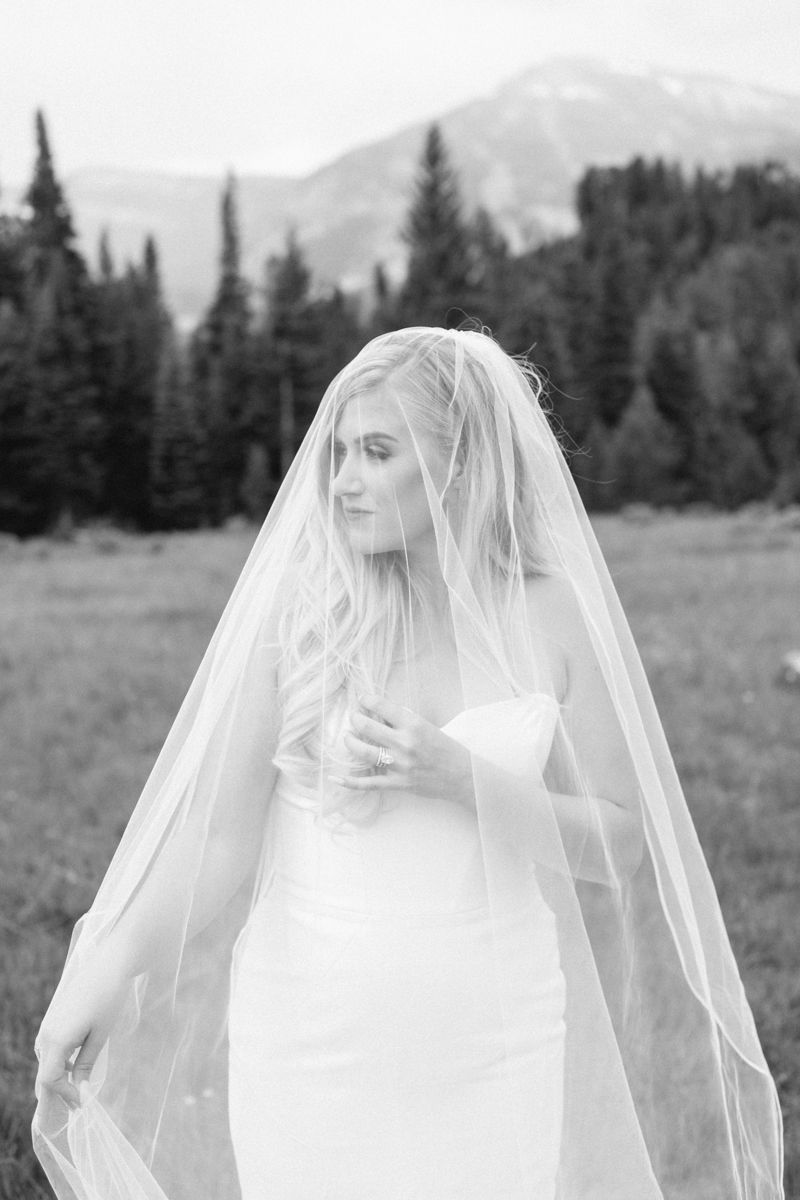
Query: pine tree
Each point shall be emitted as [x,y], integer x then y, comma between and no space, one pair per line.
[384,315]
[222,375]
[775,376]
[63,475]
[290,357]
[18,511]
[105,261]
[668,367]
[749,291]
[437,288]
[257,488]
[51,232]
[490,277]
[175,496]
[150,265]
[12,271]
[535,327]
[594,469]
[610,353]
[20,449]
[131,326]
[339,337]
[729,468]
[647,455]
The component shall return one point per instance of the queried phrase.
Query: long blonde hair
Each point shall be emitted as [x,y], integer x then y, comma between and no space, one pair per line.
[343,637]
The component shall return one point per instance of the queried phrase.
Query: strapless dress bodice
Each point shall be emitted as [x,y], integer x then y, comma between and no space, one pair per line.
[513,734]
[416,855]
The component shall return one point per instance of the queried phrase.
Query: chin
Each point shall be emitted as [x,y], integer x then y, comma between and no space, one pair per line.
[369,548]
[365,542]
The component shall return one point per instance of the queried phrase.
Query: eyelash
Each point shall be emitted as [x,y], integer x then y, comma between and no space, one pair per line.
[375,452]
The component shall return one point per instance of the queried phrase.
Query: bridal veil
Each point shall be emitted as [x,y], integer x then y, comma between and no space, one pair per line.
[666,1092]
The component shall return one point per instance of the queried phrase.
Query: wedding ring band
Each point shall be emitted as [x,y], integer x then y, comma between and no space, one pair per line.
[384,758]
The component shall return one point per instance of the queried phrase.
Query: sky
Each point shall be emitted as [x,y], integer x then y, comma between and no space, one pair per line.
[204,86]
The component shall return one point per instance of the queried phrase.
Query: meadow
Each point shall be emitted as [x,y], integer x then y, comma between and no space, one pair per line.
[100,637]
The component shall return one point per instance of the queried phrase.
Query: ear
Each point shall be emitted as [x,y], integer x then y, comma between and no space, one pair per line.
[457,477]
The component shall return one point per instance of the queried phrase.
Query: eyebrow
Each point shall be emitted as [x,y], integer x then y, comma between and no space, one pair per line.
[366,437]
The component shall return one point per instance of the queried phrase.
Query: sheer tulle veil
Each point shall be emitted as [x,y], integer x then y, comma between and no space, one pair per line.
[666,1092]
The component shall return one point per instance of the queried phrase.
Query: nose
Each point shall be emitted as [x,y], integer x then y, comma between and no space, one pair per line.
[347,481]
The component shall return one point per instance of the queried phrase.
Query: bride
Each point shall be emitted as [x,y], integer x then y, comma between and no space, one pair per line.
[411,906]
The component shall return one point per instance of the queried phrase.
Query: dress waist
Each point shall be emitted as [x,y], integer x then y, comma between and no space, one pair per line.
[416,857]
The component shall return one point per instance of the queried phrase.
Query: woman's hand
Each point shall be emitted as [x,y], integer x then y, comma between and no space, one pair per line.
[424,760]
[80,1018]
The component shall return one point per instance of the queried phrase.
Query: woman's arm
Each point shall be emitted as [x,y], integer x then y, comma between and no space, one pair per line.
[185,889]
[600,822]
[206,860]
[197,871]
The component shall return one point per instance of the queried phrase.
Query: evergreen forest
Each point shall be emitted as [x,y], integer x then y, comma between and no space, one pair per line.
[667,329]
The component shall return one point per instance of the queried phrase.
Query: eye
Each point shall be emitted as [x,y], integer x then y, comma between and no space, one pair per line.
[375,451]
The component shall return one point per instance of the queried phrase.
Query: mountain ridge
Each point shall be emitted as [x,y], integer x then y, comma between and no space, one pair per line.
[519,151]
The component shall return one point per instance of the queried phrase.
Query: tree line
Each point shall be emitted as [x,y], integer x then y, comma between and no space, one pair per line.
[668,328]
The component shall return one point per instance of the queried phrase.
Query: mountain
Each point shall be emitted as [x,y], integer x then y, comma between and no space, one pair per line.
[519,151]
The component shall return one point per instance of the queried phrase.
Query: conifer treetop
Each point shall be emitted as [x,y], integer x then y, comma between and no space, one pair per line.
[437,237]
[288,282]
[150,264]
[230,257]
[105,259]
[50,222]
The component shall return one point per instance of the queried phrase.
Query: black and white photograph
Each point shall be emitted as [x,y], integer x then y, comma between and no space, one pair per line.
[399,600]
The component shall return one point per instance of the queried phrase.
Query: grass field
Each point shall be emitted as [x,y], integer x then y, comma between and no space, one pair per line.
[99,639]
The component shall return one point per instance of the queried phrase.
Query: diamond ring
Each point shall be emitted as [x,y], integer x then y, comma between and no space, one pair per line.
[384,758]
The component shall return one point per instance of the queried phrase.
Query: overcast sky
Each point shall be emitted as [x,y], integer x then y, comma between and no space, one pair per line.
[281,88]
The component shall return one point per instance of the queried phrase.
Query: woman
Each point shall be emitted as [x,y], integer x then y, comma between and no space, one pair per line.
[411,905]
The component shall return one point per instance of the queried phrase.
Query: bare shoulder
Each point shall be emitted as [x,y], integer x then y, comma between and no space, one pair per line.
[552,601]
[555,622]
[552,604]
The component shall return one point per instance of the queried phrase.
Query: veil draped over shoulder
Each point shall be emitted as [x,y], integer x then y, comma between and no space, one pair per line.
[664,1089]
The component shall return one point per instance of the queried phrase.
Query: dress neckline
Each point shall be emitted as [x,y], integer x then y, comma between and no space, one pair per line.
[496,704]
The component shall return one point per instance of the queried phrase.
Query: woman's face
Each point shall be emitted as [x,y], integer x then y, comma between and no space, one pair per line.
[378,480]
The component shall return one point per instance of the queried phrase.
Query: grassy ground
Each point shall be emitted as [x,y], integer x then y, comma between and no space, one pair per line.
[99,639]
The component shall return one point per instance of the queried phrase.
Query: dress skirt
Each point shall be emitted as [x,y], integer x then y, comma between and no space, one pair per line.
[412,1057]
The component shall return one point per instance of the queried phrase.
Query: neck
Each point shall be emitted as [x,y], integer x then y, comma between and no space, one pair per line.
[426,569]
[429,583]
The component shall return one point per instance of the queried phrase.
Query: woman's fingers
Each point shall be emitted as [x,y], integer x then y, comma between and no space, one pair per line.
[370,783]
[87,1057]
[53,1074]
[375,731]
[394,714]
[365,751]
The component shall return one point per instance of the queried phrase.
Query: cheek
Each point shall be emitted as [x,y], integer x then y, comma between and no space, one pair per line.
[410,503]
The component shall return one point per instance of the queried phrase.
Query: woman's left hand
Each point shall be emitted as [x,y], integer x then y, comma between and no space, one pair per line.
[424,760]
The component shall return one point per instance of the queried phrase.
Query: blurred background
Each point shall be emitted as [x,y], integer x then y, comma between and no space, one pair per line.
[207,208]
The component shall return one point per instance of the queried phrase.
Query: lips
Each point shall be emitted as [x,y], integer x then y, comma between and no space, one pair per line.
[357,512]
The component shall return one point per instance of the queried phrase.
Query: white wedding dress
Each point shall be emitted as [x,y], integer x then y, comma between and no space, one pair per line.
[391,1038]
